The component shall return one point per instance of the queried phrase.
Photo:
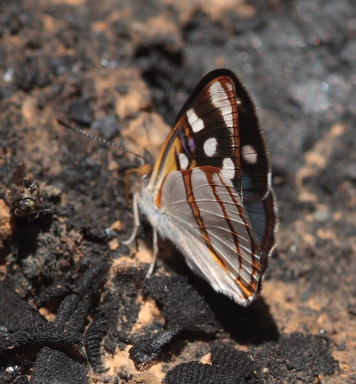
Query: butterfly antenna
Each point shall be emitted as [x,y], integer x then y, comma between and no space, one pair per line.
[97,138]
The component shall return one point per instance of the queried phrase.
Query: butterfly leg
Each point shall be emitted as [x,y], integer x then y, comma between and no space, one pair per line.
[136,221]
[155,252]
[134,234]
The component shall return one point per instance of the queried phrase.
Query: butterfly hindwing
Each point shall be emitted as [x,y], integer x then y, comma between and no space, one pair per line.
[263,216]
[213,212]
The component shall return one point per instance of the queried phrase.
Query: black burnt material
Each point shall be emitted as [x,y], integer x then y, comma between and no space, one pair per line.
[15,314]
[183,309]
[53,365]
[228,366]
[304,356]
[261,365]
[199,313]
[59,344]
[114,318]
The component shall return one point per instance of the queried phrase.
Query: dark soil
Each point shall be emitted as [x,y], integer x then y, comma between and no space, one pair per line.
[74,305]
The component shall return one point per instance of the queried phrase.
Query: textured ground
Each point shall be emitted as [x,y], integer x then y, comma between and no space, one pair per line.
[73,301]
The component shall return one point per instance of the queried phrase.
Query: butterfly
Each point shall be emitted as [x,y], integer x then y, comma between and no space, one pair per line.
[209,191]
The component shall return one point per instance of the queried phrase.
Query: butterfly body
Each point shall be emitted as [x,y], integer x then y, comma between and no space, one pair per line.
[210,189]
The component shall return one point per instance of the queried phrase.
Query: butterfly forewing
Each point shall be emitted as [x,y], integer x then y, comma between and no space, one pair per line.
[210,191]
[205,133]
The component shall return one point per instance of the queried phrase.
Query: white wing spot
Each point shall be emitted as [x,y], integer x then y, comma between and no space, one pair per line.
[195,122]
[210,146]
[249,154]
[218,95]
[183,161]
[221,101]
[229,167]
